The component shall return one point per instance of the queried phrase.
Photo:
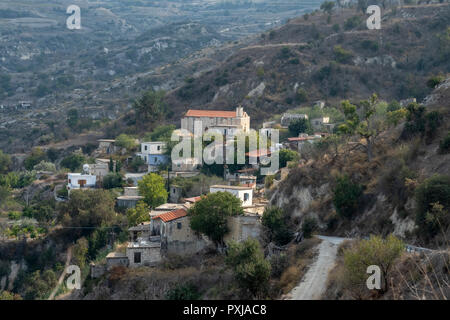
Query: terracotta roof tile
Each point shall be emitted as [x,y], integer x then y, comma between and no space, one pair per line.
[172,215]
[258,153]
[211,113]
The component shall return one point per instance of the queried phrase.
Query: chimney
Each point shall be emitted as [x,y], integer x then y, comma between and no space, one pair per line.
[239,112]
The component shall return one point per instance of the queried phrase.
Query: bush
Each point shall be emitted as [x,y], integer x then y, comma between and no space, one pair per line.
[73,162]
[375,251]
[341,55]
[186,291]
[36,156]
[125,141]
[277,221]
[251,270]
[298,126]
[434,81]
[113,180]
[430,195]
[309,226]
[352,22]
[346,197]
[45,166]
[444,145]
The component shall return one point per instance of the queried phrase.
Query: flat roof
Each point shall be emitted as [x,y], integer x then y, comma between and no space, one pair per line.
[130,197]
[106,140]
[218,186]
[154,142]
[116,255]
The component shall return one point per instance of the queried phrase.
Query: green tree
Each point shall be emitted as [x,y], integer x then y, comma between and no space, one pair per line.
[125,141]
[36,156]
[346,196]
[210,215]
[186,291]
[73,161]
[375,251]
[298,126]
[152,188]
[277,223]
[5,162]
[88,208]
[139,214]
[287,155]
[80,252]
[251,270]
[367,122]
[72,118]
[113,180]
[327,7]
[150,107]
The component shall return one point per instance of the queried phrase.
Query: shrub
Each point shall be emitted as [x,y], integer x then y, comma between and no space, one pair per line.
[375,251]
[186,291]
[434,81]
[277,221]
[125,141]
[298,126]
[346,197]
[352,22]
[251,270]
[301,95]
[444,145]
[36,156]
[73,162]
[309,226]
[113,180]
[431,194]
[45,166]
[341,55]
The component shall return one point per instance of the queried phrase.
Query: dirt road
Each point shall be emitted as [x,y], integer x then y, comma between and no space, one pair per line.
[313,284]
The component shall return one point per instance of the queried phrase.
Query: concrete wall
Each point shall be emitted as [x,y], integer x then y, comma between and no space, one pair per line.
[116,261]
[243,227]
[150,255]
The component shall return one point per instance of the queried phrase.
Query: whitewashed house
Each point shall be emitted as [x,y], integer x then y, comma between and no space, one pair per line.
[81,180]
[245,194]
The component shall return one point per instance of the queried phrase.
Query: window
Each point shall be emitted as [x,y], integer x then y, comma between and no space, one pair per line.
[137,257]
[246,196]
[145,148]
[159,148]
[173,190]
[179,225]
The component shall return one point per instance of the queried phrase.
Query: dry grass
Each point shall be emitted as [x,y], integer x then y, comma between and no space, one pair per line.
[300,258]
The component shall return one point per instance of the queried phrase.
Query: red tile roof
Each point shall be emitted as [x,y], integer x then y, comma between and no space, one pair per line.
[193,199]
[258,153]
[172,215]
[302,138]
[211,113]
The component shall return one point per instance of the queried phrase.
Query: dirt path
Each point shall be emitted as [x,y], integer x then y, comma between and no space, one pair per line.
[63,273]
[313,284]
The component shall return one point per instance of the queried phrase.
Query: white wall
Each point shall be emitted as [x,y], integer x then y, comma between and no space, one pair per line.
[238,193]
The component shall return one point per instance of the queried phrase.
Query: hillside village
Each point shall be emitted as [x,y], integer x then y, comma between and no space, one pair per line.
[354,173]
